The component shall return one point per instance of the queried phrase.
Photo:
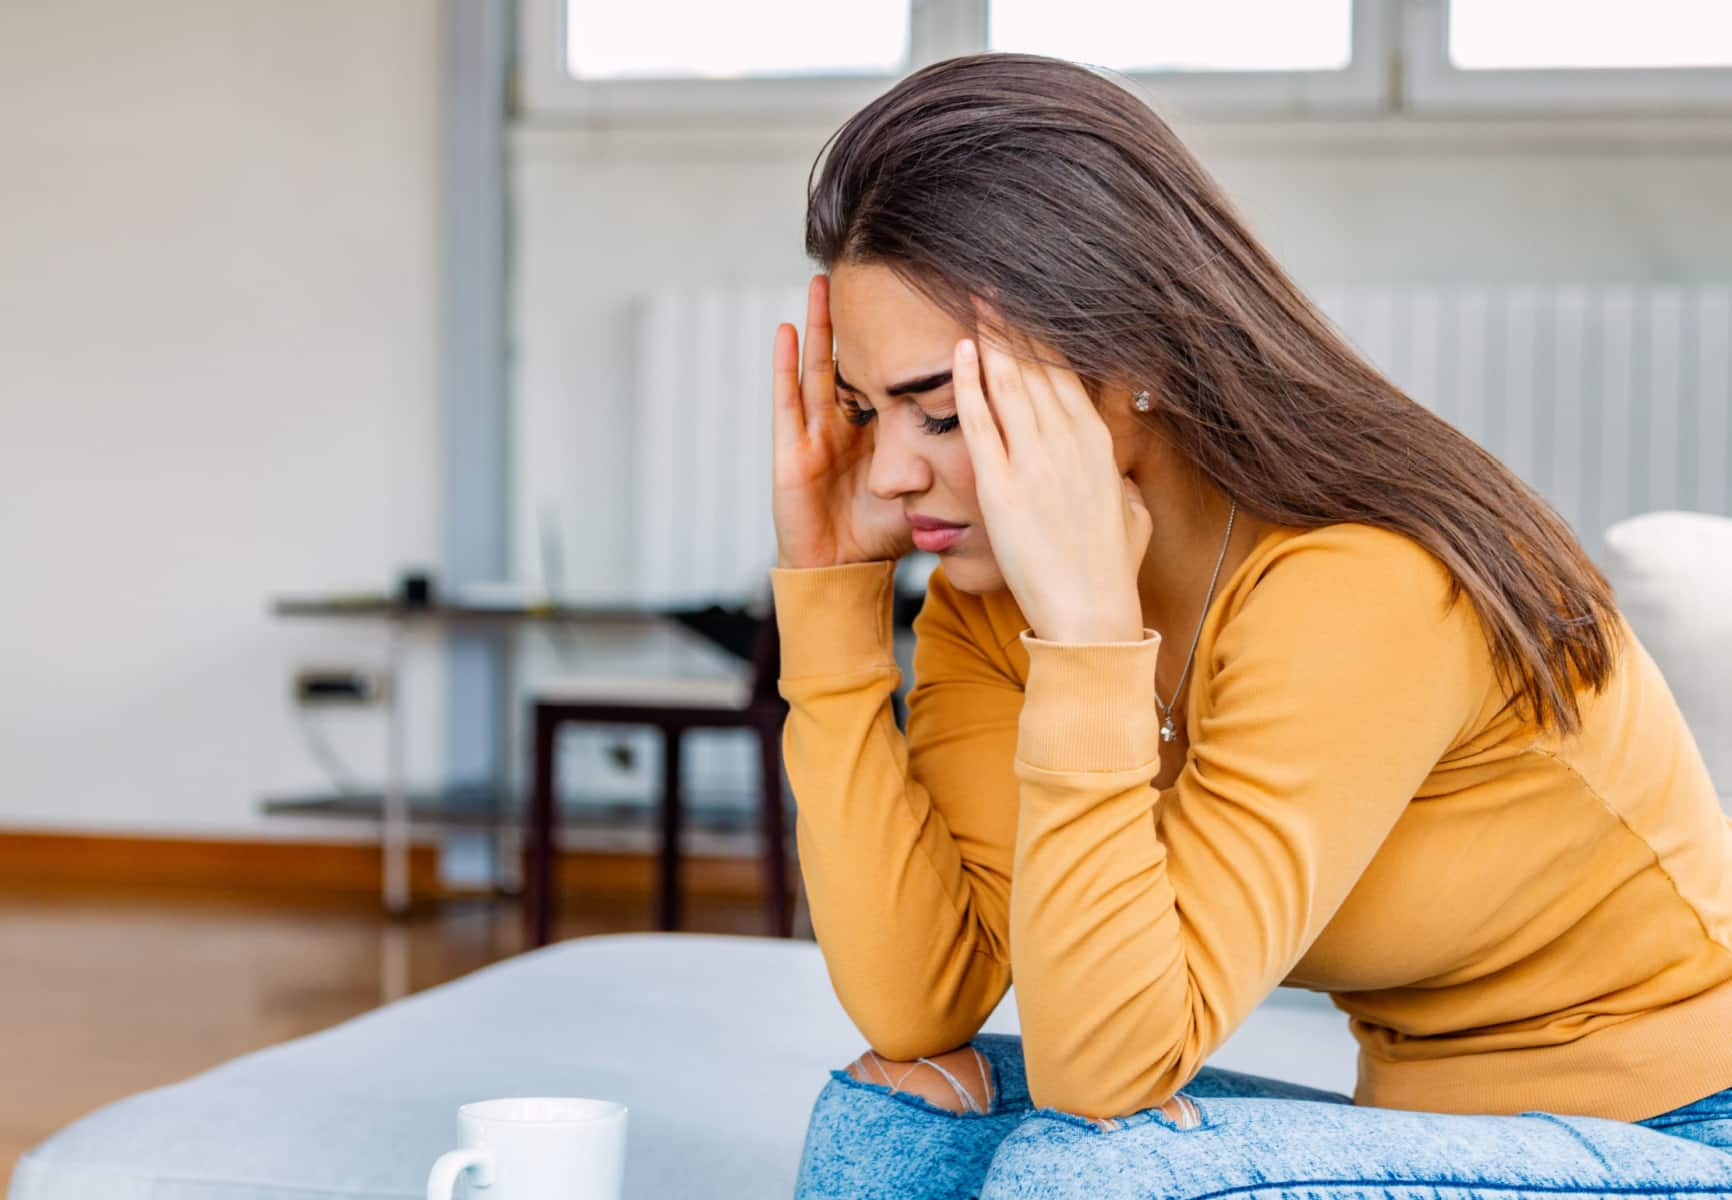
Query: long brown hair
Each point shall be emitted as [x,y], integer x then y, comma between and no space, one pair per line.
[1048,188]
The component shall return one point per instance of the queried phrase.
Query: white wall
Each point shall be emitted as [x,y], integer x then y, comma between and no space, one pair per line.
[605,214]
[218,307]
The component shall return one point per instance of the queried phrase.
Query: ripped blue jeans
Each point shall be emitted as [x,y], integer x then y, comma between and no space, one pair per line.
[1246,1137]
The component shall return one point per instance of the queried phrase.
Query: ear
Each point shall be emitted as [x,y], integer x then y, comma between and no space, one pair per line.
[1113,403]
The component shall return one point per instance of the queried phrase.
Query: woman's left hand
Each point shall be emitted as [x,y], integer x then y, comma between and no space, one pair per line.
[1068,530]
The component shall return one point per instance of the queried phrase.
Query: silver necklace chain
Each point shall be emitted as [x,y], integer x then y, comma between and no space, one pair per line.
[1169,731]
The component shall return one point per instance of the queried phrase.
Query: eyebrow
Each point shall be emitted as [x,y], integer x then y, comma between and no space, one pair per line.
[910,387]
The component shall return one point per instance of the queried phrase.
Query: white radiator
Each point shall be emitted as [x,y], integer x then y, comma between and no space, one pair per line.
[704,530]
[1608,400]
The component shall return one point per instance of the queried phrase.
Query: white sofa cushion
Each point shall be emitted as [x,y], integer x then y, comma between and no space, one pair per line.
[718,1044]
[1672,572]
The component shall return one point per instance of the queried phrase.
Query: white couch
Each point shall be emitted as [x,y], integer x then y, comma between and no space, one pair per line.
[717,1044]
[1672,572]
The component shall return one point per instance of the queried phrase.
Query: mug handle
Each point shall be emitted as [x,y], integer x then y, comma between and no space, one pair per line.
[442,1179]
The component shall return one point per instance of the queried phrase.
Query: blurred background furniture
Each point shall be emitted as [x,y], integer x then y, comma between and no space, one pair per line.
[495,805]
[671,706]
[501,805]
[504,806]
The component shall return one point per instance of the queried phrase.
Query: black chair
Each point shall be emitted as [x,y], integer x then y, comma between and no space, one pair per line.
[672,706]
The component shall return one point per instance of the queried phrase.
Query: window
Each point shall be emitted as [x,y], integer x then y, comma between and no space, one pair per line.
[1245,55]
[1550,34]
[1180,35]
[680,58]
[702,39]
[1571,55]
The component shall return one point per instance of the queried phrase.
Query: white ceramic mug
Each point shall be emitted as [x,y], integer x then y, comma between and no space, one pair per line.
[536,1148]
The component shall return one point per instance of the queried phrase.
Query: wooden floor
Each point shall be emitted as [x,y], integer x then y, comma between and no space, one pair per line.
[107,993]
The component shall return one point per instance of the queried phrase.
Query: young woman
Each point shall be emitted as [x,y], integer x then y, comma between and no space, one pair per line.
[1238,669]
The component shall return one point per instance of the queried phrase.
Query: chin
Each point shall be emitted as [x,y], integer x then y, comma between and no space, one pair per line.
[971,575]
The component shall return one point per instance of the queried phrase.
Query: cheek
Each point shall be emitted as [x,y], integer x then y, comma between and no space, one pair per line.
[957,468]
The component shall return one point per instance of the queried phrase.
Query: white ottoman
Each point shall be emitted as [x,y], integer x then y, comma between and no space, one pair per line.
[718,1044]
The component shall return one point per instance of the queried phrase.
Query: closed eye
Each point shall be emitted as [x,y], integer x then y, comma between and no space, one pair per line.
[861,416]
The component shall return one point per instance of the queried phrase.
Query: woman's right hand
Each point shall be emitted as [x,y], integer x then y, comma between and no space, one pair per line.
[824,512]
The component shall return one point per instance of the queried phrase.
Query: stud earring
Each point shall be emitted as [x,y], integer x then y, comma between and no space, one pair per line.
[1141,400]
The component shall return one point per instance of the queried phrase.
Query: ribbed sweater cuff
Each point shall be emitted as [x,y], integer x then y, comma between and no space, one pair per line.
[1089,706]
[835,619]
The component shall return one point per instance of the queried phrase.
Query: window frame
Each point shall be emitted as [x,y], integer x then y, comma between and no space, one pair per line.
[1433,84]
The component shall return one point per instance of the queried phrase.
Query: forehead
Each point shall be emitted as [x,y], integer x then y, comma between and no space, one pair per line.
[885,330]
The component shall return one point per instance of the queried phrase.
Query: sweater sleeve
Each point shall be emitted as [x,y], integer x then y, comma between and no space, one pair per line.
[1141,939]
[905,840]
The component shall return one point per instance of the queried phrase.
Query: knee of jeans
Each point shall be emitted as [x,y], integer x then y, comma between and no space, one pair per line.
[1052,1152]
[1179,1113]
[960,1080]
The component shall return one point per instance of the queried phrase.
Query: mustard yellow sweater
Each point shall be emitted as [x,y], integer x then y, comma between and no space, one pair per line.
[1511,921]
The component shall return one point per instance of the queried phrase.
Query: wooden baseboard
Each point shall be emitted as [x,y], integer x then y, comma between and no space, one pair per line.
[105,860]
[256,863]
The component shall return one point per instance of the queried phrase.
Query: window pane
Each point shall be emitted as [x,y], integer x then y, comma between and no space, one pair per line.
[706,39]
[1590,33]
[1180,35]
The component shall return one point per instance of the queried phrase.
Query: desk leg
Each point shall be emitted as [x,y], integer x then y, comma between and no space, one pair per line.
[540,836]
[394,817]
[668,883]
[773,827]
[508,819]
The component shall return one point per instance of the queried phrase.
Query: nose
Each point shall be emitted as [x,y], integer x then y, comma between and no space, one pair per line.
[899,468]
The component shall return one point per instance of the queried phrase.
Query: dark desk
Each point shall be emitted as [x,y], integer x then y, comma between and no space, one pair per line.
[731,628]
[378,606]
[728,628]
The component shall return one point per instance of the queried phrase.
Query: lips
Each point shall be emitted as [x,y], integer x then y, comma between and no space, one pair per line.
[935,541]
[933,523]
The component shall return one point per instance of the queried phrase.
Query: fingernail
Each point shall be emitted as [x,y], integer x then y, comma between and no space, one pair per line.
[967,347]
